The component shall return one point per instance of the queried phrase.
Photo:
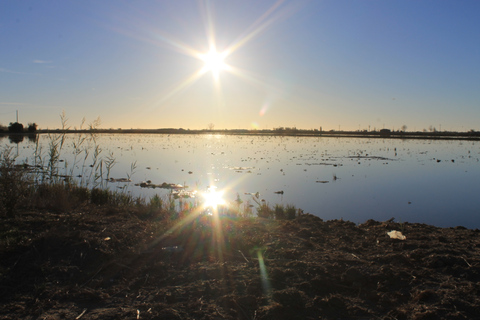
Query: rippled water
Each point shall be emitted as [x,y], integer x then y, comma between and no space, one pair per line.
[431,181]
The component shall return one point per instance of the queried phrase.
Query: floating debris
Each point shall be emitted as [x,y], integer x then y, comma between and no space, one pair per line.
[241,168]
[119,180]
[164,185]
[184,194]
[323,164]
[322,181]
[279,192]
[369,157]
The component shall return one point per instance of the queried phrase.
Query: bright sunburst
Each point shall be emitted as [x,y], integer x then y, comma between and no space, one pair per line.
[213,59]
[214,62]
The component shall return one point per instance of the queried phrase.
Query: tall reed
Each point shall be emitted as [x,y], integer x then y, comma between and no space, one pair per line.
[13,183]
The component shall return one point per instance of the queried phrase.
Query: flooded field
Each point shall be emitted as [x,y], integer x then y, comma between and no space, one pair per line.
[431,181]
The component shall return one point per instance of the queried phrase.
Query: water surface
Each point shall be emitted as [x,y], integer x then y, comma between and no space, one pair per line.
[431,181]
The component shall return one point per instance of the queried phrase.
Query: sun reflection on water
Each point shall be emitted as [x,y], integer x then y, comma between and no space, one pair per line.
[213,198]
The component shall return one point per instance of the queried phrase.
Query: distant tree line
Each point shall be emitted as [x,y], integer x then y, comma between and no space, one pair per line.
[16,127]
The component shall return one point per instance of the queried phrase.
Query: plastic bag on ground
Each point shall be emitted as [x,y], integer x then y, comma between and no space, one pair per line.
[394,234]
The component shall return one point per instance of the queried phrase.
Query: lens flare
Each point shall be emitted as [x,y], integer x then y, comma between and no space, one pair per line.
[263,274]
[264,108]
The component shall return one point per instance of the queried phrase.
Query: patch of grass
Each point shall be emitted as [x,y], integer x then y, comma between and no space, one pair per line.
[264,210]
[291,212]
[279,212]
[56,197]
[100,196]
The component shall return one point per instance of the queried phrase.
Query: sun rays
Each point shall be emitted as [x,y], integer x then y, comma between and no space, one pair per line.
[215,59]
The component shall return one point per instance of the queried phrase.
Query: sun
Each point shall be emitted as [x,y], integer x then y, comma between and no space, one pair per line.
[214,62]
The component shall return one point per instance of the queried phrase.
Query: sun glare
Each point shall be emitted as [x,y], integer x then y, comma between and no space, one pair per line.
[213,198]
[214,62]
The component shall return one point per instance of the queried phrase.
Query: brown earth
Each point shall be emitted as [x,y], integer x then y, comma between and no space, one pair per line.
[109,264]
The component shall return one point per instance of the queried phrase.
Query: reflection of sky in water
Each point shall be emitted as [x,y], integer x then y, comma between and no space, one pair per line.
[409,185]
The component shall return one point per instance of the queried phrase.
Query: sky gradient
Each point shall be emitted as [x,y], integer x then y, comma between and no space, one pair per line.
[345,65]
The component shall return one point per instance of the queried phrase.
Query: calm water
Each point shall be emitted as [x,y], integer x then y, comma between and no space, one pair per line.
[430,181]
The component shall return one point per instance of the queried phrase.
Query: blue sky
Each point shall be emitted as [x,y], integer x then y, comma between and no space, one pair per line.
[309,64]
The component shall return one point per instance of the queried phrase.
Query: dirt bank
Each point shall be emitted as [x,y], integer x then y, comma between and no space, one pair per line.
[109,264]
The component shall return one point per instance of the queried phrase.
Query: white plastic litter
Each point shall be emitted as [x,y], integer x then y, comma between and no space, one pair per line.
[394,234]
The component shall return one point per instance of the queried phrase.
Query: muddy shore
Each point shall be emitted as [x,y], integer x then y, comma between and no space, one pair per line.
[96,263]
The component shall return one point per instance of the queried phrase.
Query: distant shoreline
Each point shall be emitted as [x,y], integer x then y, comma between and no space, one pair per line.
[445,135]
